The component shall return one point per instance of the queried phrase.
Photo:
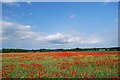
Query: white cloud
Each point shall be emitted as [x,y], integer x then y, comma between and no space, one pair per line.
[12,30]
[92,40]
[11,2]
[72,16]
[21,36]
[59,38]
[108,0]
[6,23]
[8,0]
[28,2]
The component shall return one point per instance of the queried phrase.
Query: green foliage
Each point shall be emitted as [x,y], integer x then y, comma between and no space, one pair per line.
[51,66]
[59,50]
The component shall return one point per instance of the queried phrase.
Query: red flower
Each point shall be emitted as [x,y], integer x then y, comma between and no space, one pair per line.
[92,76]
[39,75]
[86,76]
[113,76]
[76,63]
[73,73]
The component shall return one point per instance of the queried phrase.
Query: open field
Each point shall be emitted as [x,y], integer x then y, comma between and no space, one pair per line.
[60,65]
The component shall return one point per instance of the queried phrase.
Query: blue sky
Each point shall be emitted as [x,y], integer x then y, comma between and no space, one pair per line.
[59,25]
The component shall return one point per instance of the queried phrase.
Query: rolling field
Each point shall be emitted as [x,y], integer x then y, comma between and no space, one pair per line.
[60,65]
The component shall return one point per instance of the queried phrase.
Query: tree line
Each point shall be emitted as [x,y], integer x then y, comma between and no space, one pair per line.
[7,50]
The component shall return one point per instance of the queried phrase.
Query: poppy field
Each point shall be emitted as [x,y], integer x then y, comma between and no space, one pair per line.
[60,65]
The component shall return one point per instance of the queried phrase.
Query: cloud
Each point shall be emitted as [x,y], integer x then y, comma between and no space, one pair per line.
[18,35]
[28,2]
[11,3]
[8,0]
[72,16]
[59,38]
[110,0]
[22,36]
[14,30]
[107,0]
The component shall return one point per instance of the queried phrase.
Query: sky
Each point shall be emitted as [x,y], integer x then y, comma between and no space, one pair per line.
[35,25]
[60,0]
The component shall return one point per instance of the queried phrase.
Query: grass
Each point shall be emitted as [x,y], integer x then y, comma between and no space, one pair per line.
[60,65]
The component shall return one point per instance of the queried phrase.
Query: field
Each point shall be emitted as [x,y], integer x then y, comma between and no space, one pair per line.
[60,65]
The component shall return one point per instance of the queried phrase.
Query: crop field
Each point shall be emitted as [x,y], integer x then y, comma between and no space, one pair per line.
[60,65]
